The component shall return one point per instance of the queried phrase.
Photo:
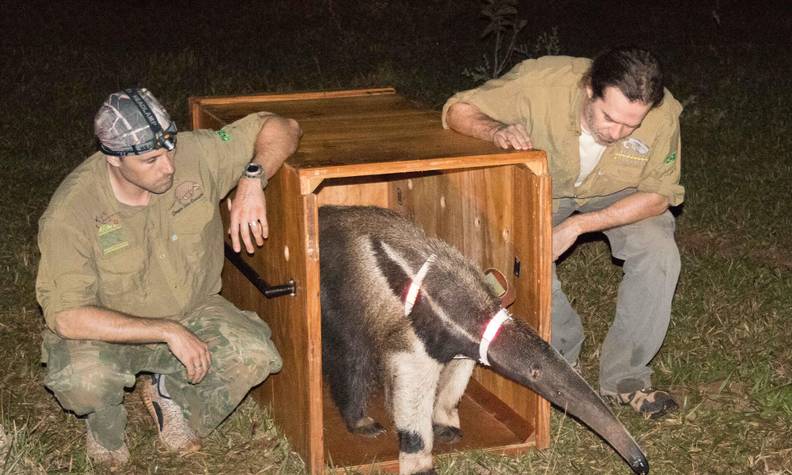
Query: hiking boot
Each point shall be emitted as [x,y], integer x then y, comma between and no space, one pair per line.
[174,431]
[648,402]
[113,459]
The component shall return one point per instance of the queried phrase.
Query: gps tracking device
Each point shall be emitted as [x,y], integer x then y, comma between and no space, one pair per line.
[161,139]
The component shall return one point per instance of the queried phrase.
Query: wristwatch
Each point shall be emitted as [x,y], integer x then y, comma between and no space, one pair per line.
[254,170]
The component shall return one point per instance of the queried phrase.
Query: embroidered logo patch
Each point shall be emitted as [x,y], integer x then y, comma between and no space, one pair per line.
[224,136]
[186,193]
[670,158]
[636,146]
[111,238]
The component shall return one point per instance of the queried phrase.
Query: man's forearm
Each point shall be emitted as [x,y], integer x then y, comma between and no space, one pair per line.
[276,142]
[628,210]
[467,119]
[94,323]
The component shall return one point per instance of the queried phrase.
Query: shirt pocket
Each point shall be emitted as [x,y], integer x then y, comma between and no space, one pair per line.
[626,168]
[193,219]
[120,277]
[192,229]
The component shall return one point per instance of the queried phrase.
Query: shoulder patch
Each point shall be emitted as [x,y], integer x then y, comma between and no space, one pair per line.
[224,136]
[636,146]
[670,158]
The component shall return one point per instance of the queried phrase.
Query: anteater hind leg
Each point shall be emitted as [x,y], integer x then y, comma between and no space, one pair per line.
[414,380]
[453,381]
[351,377]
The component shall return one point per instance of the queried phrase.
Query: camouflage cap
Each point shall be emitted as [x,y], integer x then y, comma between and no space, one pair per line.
[121,126]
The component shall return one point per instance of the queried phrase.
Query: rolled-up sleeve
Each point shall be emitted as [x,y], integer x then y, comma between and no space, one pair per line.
[498,98]
[231,148]
[662,172]
[66,276]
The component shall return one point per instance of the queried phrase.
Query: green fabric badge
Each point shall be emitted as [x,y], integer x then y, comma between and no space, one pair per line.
[223,135]
[670,158]
[111,238]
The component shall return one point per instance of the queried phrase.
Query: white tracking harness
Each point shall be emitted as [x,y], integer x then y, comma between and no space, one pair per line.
[490,332]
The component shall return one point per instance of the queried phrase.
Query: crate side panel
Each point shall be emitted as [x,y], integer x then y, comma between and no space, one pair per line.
[295,393]
[536,224]
[201,117]
[533,242]
[362,191]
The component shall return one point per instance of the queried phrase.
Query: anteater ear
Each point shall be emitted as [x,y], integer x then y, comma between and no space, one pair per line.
[393,265]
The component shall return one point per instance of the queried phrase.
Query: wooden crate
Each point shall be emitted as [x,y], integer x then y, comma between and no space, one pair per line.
[373,147]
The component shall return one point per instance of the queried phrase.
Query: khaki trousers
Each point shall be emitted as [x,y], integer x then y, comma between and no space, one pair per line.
[643,309]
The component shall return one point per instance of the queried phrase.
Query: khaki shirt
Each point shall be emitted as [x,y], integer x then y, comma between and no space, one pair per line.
[159,260]
[545,95]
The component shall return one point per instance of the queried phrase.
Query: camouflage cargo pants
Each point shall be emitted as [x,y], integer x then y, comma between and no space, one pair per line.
[89,377]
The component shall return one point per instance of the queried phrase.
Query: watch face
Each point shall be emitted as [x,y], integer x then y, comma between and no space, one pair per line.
[253,169]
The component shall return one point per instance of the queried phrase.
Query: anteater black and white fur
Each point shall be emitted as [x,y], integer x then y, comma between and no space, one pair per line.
[368,257]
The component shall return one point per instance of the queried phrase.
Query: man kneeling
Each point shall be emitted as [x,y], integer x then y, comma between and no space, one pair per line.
[131,254]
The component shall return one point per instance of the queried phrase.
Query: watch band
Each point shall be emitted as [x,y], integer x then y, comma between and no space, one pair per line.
[264,181]
[256,171]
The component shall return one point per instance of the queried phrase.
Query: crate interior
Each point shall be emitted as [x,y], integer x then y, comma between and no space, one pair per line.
[472,210]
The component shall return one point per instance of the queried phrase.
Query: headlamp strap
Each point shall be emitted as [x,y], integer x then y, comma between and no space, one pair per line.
[490,332]
[144,109]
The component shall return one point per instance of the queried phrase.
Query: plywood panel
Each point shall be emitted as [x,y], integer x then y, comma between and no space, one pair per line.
[201,117]
[233,107]
[360,192]
[349,130]
[294,321]
[470,209]
[538,225]
[484,421]
[320,109]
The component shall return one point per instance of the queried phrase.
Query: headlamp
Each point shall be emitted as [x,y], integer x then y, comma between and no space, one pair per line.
[161,138]
[166,140]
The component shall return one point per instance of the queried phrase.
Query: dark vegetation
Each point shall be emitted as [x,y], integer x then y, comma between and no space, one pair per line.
[727,356]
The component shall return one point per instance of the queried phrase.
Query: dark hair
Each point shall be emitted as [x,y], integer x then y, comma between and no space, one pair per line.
[634,71]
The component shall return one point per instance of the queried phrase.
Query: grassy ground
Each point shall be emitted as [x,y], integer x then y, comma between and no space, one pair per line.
[727,356]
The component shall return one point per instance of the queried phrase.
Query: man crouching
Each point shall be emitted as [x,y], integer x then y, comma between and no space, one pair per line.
[131,254]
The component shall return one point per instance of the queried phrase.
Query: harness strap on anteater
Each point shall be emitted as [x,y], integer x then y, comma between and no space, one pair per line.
[490,332]
[415,285]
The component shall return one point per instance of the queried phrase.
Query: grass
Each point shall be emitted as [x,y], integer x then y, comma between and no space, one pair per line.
[727,356]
